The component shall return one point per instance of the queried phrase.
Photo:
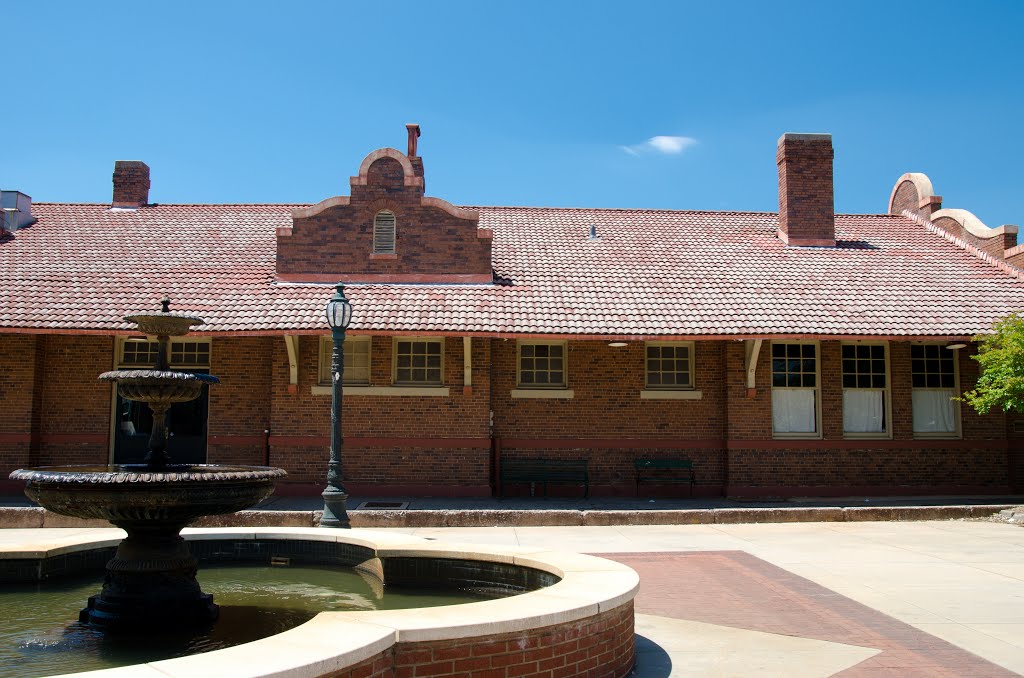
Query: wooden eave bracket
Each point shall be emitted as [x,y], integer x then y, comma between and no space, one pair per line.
[752,349]
[467,365]
[291,342]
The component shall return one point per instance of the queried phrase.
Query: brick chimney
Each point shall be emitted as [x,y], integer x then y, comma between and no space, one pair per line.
[806,205]
[131,183]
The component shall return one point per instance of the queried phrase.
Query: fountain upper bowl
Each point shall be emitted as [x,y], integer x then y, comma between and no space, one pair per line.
[167,323]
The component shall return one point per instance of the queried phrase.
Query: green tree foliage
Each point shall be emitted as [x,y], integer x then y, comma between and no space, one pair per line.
[1001,356]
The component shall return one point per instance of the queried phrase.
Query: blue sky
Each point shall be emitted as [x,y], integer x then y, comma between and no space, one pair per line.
[522,103]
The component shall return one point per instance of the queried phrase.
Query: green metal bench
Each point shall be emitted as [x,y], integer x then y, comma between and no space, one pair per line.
[533,471]
[664,471]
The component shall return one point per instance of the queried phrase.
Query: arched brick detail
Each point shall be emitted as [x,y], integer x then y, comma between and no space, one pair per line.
[409,178]
[383,204]
[910,193]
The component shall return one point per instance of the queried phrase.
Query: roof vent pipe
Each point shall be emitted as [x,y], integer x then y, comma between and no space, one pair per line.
[17,210]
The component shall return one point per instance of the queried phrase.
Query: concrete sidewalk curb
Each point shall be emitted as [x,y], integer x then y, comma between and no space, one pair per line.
[35,517]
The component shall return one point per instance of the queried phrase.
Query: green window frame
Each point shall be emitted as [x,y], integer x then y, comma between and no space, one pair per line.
[418,361]
[542,364]
[668,365]
[141,352]
[355,361]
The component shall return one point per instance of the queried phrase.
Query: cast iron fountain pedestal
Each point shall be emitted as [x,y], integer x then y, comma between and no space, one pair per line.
[151,581]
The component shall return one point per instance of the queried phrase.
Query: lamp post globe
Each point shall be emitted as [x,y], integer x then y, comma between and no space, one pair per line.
[339,315]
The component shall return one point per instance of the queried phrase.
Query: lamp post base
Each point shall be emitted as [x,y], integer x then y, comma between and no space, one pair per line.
[335,509]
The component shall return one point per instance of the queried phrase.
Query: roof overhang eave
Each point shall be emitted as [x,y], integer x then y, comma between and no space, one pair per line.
[512,335]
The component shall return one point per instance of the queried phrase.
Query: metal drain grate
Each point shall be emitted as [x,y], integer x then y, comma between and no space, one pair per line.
[393,505]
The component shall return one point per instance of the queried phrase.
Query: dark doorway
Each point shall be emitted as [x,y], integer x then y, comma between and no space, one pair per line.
[186,427]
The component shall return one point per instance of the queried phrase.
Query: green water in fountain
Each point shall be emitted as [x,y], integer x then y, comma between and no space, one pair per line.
[36,638]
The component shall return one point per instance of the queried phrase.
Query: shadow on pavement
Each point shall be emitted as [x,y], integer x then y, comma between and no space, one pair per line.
[651,660]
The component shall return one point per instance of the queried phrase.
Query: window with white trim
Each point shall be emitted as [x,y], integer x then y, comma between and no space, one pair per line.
[933,377]
[865,390]
[795,389]
[541,364]
[418,361]
[384,232]
[669,365]
[355,361]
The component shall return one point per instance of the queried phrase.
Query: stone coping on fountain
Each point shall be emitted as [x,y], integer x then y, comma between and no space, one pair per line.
[592,599]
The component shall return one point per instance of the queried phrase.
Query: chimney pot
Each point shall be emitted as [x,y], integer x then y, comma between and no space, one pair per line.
[131,183]
[417,161]
[414,133]
[806,203]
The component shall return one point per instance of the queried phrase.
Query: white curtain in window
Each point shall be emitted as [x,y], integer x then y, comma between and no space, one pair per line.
[862,410]
[934,411]
[793,411]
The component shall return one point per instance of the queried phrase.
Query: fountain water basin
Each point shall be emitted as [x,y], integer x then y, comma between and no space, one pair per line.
[582,619]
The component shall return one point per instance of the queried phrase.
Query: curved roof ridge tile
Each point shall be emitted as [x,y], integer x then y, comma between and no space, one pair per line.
[966,246]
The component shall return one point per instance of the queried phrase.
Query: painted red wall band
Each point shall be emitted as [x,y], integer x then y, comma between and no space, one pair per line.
[299,441]
[53,438]
[441,443]
[71,438]
[237,441]
[622,443]
[868,444]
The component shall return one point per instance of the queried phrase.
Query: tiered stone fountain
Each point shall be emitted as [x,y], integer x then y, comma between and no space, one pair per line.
[151,581]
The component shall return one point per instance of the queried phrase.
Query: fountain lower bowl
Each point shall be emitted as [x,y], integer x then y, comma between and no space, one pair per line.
[130,493]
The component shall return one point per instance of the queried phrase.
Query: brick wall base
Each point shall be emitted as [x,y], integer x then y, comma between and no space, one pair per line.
[829,471]
[602,646]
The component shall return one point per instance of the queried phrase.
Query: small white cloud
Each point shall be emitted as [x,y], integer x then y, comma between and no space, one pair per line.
[671,144]
[668,145]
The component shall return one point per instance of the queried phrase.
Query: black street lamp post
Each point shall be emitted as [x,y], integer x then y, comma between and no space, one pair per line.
[339,314]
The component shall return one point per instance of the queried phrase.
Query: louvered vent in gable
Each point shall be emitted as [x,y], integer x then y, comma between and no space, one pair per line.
[384,232]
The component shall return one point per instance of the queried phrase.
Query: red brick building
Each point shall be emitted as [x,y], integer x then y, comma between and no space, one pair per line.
[791,353]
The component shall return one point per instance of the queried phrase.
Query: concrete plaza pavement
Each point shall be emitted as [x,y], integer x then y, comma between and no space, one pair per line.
[799,599]
[959,581]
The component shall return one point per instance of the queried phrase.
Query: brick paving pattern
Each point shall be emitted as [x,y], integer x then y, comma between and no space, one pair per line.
[736,589]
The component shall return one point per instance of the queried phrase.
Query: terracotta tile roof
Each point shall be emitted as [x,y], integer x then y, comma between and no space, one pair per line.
[648,273]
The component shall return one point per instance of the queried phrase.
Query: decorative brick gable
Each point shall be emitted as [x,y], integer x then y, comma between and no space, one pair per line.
[434,240]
